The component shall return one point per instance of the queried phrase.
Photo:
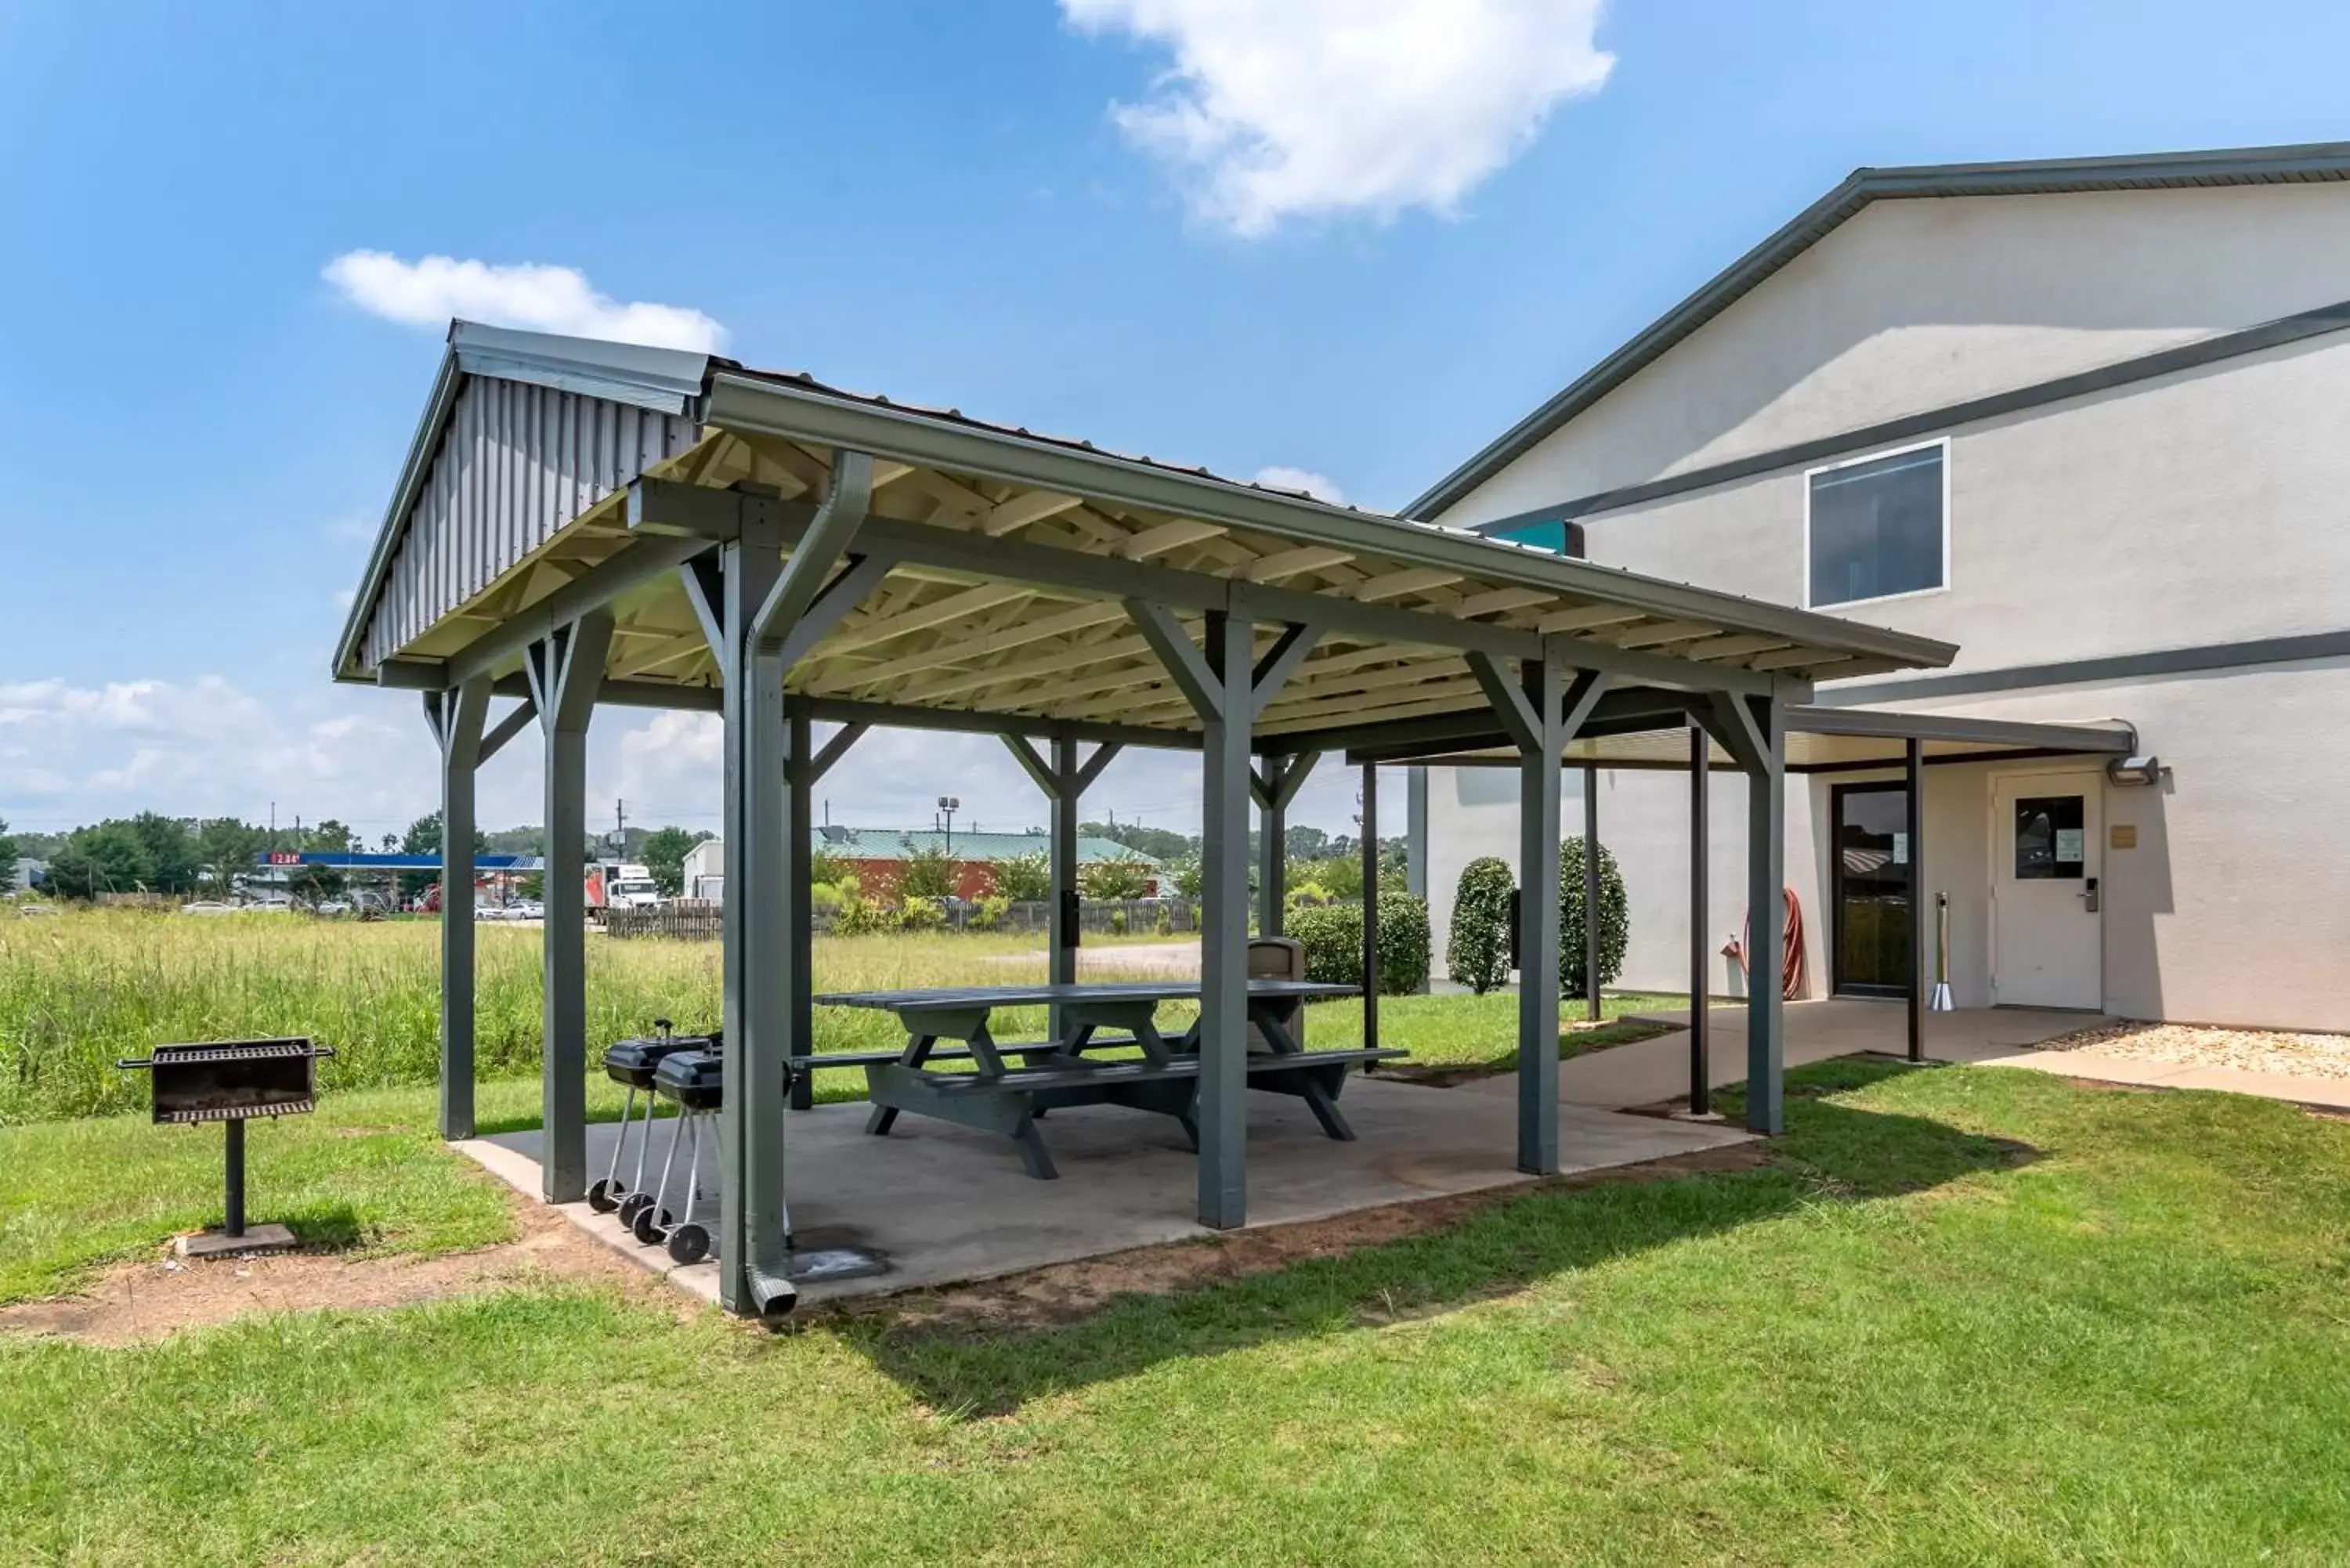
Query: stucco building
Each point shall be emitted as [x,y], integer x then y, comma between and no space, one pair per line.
[2085,420]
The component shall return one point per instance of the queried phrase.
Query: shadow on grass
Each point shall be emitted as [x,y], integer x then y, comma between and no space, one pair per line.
[1831,1152]
[330,1225]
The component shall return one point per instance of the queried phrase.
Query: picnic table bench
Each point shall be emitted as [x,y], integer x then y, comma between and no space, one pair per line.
[999,1097]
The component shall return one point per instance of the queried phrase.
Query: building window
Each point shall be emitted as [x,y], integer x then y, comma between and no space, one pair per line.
[1877,528]
[1560,539]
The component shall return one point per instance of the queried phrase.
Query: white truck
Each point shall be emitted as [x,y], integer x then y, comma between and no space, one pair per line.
[624,886]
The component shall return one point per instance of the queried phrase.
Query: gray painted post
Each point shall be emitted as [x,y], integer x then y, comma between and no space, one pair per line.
[757,996]
[1766,915]
[1223,933]
[1370,905]
[457,718]
[1538,915]
[1066,927]
[799,894]
[565,668]
[1591,892]
[1700,941]
[1272,848]
[1415,865]
[1916,758]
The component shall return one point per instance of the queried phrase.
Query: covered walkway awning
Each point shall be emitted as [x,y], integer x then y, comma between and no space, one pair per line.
[582,524]
[1652,734]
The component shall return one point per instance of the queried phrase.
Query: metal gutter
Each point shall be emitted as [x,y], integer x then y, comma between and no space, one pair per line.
[2146,171]
[751,403]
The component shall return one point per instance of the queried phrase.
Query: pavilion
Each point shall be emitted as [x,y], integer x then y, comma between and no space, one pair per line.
[581,523]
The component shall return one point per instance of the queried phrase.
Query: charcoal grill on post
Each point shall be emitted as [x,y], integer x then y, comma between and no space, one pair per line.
[232,1082]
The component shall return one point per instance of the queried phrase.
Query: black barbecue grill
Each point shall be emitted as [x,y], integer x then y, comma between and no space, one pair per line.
[232,1082]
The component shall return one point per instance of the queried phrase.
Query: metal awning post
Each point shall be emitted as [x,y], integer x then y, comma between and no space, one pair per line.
[1227,693]
[1370,850]
[565,668]
[1755,728]
[1591,892]
[457,718]
[1915,755]
[1701,924]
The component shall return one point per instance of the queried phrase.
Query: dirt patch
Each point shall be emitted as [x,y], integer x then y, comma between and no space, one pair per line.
[1065,1293]
[151,1299]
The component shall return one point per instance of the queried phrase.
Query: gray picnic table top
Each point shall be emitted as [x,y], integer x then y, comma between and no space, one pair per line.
[957,997]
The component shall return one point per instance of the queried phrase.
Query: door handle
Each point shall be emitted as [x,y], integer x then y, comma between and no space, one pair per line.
[2088,895]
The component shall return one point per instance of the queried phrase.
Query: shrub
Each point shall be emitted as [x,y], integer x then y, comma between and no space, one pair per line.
[1025,879]
[1113,879]
[1165,924]
[920,915]
[1478,954]
[1118,923]
[1332,936]
[988,913]
[1615,918]
[929,874]
[860,916]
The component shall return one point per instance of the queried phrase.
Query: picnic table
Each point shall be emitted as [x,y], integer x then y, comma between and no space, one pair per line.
[998,1096]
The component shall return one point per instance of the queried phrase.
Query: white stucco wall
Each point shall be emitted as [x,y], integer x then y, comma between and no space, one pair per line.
[2212,506]
[2234,906]
[1916,304]
[2207,507]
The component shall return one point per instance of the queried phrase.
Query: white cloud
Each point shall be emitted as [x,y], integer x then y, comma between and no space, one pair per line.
[429,292]
[1325,106]
[1320,486]
[207,747]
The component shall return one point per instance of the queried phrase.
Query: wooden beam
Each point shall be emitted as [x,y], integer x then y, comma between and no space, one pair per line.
[1019,511]
[1395,584]
[1294,563]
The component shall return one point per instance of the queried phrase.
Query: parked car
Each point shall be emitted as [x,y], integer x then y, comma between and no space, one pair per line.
[207,907]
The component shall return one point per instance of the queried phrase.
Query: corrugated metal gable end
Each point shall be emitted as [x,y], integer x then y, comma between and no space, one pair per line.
[517,462]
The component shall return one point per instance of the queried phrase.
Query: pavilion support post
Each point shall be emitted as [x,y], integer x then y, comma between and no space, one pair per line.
[804,766]
[759,615]
[1227,693]
[1272,844]
[1274,786]
[1700,944]
[1541,718]
[1916,759]
[1370,826]
[565,668]
[1755,729]
[1591,892]
[457,718]
[1064,780]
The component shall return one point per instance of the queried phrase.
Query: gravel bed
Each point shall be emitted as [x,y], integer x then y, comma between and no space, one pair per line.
[2249,1050]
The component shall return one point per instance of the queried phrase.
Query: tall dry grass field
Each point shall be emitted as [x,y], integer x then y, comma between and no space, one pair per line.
[81,988]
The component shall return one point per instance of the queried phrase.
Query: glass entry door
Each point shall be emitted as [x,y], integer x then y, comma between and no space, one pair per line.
[1871,873]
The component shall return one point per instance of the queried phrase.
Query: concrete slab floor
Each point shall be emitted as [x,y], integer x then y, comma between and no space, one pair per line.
[1649,1070]
[947,1204]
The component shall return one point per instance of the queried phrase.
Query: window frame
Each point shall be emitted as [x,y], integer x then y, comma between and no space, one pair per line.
[1939,444]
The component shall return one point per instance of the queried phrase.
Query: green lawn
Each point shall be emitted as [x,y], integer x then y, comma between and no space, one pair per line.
[1964,1315]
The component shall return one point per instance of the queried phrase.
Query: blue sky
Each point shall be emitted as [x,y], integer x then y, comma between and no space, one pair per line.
[1352,238]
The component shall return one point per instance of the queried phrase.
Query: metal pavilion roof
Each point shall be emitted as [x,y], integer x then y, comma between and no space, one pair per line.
[548,474]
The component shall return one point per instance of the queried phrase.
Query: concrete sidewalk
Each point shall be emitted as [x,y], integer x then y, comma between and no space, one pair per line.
[1649,1070]
[2329,1093]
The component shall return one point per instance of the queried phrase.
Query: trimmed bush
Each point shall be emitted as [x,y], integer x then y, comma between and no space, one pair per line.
[1332,936]
[1615,918]
[1478,955]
